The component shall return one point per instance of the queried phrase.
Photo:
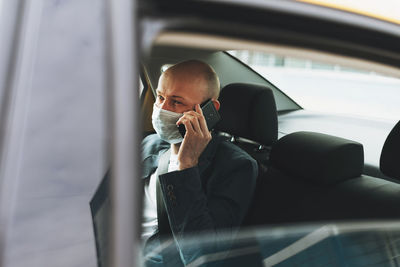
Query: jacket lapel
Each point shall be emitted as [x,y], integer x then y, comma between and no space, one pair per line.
[150,163]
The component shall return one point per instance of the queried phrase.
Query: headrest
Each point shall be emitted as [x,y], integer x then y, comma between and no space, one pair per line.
[249,111]
[318,158]
[390,156]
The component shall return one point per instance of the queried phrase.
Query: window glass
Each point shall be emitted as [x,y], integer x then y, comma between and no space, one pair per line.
[63,153]
[302,245]
[328,87]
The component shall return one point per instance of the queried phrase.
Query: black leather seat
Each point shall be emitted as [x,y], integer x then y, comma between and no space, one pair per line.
[390,156]
[310,176]
[249,118]
[317,177]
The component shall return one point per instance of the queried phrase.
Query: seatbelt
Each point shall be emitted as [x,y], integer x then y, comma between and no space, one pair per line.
[162,216]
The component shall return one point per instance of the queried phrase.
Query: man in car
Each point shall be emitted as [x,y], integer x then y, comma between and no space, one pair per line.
[204,182]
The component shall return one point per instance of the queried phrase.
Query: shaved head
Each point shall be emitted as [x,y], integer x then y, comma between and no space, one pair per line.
[196,71]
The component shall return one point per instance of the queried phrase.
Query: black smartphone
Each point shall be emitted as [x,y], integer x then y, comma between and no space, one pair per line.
[210,114]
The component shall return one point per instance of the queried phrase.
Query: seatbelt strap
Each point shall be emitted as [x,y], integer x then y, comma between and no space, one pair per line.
[162,216]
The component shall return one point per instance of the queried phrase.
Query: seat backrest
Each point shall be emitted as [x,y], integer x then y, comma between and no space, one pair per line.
[303,166]
[317,158]
[249,118]
[317,177]
[390,156]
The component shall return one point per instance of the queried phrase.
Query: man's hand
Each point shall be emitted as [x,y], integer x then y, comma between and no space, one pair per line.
[196,138]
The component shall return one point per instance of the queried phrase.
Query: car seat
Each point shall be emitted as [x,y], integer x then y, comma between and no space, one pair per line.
[390,156]
[249,118]
[318,177]
[303,167]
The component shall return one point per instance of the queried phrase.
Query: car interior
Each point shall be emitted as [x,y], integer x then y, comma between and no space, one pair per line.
[309,172]
[304,176]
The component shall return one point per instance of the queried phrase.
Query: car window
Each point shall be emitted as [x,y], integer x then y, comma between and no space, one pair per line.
[63,151]
[346,244]
[328,87]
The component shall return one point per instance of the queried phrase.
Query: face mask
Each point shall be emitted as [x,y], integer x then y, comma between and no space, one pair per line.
[164,122]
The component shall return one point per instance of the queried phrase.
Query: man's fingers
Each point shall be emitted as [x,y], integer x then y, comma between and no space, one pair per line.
[194,121]
[203,125]
[188,125]
[199,114]
[192,113]
[202,121]
[186,115]
[198,109]
[197,121]
[196,125]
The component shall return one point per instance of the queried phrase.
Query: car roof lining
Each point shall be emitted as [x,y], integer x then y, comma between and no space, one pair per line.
[217,43]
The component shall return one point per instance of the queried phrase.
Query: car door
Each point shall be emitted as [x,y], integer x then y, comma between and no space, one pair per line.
[54,130]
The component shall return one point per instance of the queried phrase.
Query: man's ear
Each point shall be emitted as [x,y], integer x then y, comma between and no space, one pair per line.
[216,104]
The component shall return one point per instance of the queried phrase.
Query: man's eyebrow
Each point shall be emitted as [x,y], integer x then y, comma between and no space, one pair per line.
[177,96]
[174,96]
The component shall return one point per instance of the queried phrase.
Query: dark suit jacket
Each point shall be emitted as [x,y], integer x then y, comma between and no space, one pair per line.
[213,196]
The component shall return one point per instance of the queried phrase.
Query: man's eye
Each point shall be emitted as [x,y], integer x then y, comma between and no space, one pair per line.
[160,97]
[177,102]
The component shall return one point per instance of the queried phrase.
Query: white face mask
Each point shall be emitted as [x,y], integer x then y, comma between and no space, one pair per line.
[164,122]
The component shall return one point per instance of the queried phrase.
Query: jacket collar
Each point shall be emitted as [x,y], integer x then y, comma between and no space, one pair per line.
[150,163]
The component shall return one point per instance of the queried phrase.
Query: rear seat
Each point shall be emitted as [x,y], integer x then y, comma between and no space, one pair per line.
[317,177]
[310,176]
